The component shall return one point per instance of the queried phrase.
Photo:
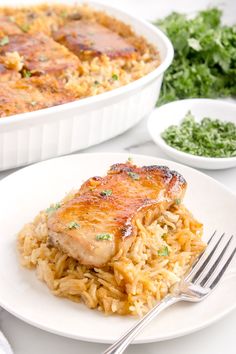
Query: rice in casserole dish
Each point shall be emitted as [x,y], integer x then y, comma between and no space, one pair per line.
[77,51]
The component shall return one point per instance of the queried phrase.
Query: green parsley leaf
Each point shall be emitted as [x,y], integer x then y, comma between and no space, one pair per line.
[26,73]
[204,61]
[178,201]
[195,44]
[134,176]
[53,208]
[163,251]
[64,14]
[25,27]
[73,225]
[115,77]
[104,236]
[4,41]
[130,159]
[106,192]
[96,82]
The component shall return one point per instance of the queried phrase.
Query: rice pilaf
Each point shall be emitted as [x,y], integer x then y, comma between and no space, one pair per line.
[131,283]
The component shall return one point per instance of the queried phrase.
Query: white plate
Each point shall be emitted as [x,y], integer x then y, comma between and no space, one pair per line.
[174,112]
[27,191]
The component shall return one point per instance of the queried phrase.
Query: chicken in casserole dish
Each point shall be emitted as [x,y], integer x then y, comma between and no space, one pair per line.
[85,52]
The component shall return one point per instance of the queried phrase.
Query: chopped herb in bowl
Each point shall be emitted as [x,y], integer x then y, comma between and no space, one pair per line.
[207,138]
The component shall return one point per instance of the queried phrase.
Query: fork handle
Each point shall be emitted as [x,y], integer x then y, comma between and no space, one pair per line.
[121,344]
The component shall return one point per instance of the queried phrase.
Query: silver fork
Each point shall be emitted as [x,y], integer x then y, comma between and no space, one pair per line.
[196,286]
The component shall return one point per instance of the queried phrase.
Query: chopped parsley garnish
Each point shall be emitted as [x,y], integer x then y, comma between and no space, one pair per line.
[108,237]
[115,77]
[43,58]
[163,251]
[64,14]
[25,27]
[73,225]
[204,61]
[96,82]
[106,192]
[134,176]
[4,41]
[53,208]
[209,137]
[26,73]
[178,201]
[130,159]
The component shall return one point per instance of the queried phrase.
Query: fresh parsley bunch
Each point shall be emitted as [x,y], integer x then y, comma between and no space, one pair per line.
[205,57]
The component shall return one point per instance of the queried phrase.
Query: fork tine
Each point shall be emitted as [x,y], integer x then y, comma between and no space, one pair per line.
[200,257]
[215,264]
[210,239]
[200,266]
[222,271]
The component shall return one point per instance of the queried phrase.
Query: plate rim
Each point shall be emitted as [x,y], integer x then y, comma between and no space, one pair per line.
[129,154]
[171,335]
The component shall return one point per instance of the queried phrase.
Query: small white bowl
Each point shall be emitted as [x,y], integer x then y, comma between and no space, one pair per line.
[173,113]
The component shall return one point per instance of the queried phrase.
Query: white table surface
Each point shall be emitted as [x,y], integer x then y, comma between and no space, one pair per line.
[217,339]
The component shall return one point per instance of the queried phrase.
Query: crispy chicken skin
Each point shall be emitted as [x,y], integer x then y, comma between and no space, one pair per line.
[89,39]
[110,206]
[42,55]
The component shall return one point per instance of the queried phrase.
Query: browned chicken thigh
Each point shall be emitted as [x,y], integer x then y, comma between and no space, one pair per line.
[41,54]
[29,94]
[89,39]
[101,218]
[8,27]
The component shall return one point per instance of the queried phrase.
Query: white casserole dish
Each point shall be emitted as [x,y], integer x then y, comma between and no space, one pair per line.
[34,136]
